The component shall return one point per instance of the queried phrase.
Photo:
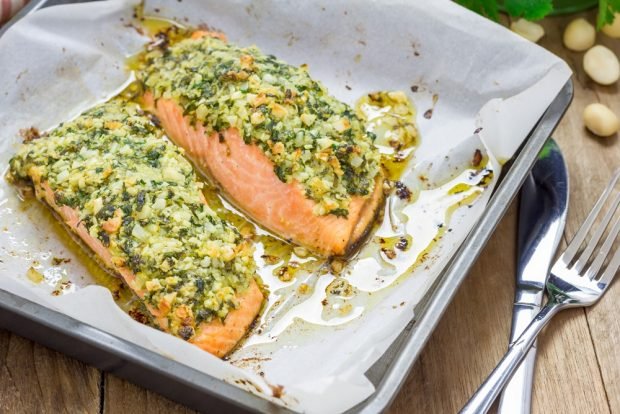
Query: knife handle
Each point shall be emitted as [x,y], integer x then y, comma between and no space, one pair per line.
[517,396]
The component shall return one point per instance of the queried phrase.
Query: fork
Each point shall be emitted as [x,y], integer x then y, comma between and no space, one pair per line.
[578,278]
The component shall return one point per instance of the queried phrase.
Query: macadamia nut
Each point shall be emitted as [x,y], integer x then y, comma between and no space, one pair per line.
[601,64]
[579,35]
[613,30]
[530,30]
[600,120]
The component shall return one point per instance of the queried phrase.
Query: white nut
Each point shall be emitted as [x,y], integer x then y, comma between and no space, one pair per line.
[601,64]
[613,30]
[579,35]
[530,30]
[600,120]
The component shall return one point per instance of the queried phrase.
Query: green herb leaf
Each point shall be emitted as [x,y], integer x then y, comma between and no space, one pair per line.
[606,12]
[486,8]
[528,9]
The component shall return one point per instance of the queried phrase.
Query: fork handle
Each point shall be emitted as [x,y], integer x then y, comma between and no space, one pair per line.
[482,400]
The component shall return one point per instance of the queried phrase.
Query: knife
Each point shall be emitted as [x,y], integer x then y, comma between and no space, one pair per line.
[542,217]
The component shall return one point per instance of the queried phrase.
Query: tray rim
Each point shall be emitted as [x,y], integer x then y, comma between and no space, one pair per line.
[125,359]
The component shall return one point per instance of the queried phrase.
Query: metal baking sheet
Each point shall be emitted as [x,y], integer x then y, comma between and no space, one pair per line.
[198,390]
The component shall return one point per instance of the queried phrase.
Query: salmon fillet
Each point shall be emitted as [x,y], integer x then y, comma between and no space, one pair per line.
[246,175]
[248,172]
[38,161]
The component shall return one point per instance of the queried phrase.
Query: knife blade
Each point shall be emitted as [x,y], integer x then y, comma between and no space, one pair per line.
[542,217]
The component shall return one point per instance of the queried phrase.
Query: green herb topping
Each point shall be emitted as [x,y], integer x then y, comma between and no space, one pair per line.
[311,137]
[138,195]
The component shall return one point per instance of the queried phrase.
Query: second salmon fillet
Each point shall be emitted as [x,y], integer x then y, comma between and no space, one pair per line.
[295,159]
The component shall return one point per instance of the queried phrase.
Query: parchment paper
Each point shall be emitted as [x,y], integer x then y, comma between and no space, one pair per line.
[471,72]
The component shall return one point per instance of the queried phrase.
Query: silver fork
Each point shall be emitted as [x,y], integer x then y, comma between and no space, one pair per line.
[578,278]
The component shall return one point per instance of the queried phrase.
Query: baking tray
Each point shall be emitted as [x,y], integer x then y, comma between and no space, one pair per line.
[199,390]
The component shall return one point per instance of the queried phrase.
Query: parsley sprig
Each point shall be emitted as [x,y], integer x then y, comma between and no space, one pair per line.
[536,9]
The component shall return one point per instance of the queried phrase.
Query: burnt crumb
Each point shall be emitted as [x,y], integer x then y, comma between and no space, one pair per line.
[414,88]
[138,316]
[361,42]
[324,302]
[29,134]
[402,243]
[389,253]
[57,292]
[477,158]
[161,41]
[154,120]
[59,260]
[270,259]
[105,238]
[478,130]
[347,87]
[156,10]
[428,114]
[277,390]
[416,53]
[220,137]
[402,191]
[440,225]
[262,374]
[186,332]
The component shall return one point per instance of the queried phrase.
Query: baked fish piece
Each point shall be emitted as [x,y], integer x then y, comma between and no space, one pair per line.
[134,200]
[293,158]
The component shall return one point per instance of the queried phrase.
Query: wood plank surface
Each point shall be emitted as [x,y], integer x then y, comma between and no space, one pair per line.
[578,368]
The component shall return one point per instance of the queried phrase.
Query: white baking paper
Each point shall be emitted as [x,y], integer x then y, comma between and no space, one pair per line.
[473,74]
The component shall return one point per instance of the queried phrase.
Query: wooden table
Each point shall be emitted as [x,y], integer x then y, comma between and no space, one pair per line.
[578,367]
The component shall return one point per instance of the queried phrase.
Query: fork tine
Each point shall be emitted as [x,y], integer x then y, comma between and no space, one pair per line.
[578,239]
[604,252]
[611,271]
[596,237]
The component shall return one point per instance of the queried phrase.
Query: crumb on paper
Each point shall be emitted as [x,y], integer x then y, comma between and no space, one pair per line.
[34,275]
[304,289]
[337,266]
[477,158]
[138,316]
[59,260]
[402,191]
[389,253]
[277,390]
[428,114]
[29,134]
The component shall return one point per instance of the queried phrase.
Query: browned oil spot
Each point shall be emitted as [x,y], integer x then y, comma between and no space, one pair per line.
[477,158]
[277,390]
